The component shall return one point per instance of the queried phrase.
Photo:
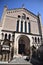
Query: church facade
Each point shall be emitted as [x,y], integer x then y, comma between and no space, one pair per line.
[20,29]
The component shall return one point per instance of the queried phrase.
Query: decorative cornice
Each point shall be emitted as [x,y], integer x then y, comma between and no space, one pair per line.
[21,32]
[18,9]
[29,33]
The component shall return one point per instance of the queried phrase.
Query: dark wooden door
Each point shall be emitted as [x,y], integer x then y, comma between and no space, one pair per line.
[21,48]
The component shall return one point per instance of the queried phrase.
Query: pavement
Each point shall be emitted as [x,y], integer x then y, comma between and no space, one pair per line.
[16,61]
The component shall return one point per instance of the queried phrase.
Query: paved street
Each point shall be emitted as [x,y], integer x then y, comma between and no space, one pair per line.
[17,61]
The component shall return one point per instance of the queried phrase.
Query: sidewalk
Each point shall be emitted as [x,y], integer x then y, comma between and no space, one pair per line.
[17,61]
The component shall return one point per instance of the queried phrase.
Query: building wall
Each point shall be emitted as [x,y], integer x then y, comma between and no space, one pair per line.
[0,32]
[17,37]
[11,17]
[41,28]
[9,26]
[42,31]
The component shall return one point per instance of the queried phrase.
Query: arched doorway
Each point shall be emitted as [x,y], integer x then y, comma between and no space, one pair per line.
[24,45]
[21,46]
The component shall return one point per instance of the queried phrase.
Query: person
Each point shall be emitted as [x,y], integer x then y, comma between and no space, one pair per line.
[12,52]
[33,51]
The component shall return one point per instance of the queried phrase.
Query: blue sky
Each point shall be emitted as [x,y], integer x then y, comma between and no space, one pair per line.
[34,6]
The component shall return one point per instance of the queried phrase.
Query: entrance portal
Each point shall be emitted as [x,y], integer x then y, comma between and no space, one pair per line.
[21,48]
[24,45]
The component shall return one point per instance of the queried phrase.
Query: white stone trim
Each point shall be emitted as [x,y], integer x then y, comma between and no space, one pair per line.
[20,25]
[27,28]
[23,26]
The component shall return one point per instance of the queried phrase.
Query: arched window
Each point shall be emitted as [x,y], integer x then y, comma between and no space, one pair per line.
[5,36]
[17,26]
[38,40]
[25,26]
[35,39]
[21,26]
[32,37]
[23,16]
[29,29]
[12,37]
[9,37]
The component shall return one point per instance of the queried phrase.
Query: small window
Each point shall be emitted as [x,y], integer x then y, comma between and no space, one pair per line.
[23,16]
[21,26]
[18,16]
[35,39]
[27,18]
[38,40]
[17,26]
[12,37]
[29,27]
[5,36]
[25,26]
[9,36]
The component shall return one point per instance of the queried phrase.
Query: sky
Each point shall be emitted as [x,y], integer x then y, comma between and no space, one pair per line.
[34,6]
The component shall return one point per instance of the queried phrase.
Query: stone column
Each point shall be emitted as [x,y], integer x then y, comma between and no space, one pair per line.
[27,28]
[23,26]
[14,46]
[17,48]
[30,53]
[19,25]
[4,57]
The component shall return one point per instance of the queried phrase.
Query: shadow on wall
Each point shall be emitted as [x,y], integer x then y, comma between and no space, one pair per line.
[37,56]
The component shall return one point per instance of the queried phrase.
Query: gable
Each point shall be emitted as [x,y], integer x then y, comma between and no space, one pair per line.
[16,12]
[11,18]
